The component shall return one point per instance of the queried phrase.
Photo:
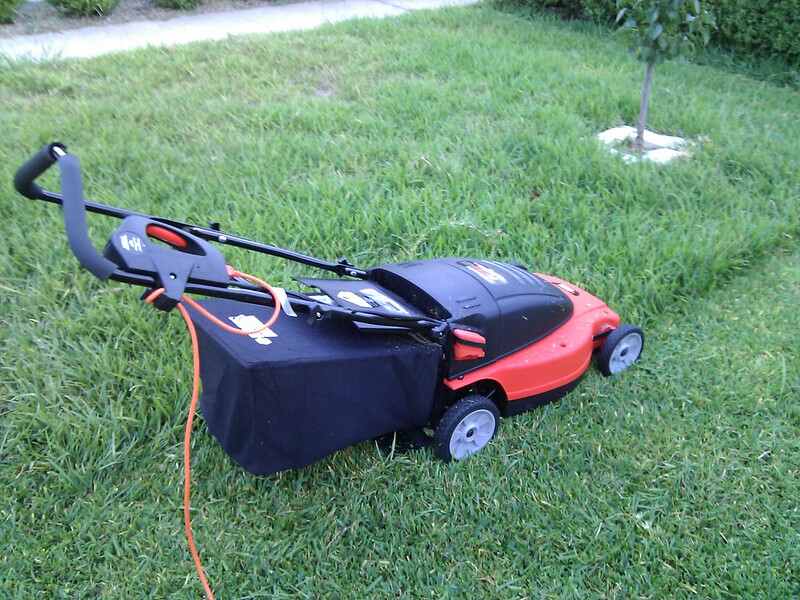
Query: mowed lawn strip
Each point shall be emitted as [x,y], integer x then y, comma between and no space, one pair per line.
[462,132]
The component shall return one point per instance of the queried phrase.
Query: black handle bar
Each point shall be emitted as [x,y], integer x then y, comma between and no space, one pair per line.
[24,180]
[73,203]
[47,156]
[75,206]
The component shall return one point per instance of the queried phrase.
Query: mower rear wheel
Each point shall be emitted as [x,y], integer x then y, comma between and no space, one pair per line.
[466,427]
[620,350]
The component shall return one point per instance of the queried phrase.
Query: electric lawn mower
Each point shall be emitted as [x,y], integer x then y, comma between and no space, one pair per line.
[444,345]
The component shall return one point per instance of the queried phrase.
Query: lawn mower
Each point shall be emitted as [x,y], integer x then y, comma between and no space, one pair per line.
[435,350]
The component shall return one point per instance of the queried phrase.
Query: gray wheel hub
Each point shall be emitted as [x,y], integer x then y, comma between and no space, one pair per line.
[626,352]
[472,433]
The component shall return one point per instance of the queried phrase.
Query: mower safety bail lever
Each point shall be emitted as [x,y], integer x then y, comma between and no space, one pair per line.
[73,203]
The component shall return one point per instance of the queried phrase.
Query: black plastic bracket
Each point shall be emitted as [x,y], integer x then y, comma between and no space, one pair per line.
[169,255]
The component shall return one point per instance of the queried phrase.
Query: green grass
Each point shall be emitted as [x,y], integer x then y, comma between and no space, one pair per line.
[462,132]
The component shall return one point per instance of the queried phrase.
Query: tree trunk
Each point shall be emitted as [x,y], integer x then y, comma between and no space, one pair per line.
[644,107]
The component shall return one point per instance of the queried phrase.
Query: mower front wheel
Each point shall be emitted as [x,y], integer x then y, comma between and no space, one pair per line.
[620,350]
[466,427]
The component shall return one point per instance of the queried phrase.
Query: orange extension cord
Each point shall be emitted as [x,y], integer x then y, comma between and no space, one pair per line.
[187,434]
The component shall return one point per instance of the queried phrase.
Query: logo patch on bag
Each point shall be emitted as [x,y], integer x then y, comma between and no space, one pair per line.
[253,323]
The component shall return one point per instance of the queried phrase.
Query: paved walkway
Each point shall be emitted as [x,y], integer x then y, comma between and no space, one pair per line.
[94,41]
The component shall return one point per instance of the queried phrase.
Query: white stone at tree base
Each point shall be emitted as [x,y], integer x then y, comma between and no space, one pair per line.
[662,148]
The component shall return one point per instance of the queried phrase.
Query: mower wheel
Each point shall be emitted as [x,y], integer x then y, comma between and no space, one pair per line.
[620,350]
[466,427]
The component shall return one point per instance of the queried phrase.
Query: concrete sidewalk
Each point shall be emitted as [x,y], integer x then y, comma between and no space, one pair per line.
[94,41]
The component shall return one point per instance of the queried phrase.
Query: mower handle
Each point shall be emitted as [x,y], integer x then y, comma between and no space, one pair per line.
[75,206]
[73,203]
[24,180]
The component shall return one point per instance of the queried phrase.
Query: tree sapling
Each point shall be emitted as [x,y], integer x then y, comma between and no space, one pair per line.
[659,30]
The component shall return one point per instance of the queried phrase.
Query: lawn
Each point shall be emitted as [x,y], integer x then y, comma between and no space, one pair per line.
[460,132]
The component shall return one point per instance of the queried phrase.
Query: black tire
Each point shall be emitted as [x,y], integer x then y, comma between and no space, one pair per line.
[609,360]
[472,414]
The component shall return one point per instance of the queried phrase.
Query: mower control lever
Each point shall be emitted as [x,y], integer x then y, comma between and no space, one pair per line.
[179,259]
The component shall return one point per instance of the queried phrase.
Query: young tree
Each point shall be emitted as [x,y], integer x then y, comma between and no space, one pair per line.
[658,30]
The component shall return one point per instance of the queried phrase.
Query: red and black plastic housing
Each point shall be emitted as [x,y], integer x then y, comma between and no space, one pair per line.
[505,305]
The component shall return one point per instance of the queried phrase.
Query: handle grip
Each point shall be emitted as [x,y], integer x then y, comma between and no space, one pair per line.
[24,179]
[74,207]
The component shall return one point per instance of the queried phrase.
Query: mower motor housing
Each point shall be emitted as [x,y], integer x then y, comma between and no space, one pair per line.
[506,305]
